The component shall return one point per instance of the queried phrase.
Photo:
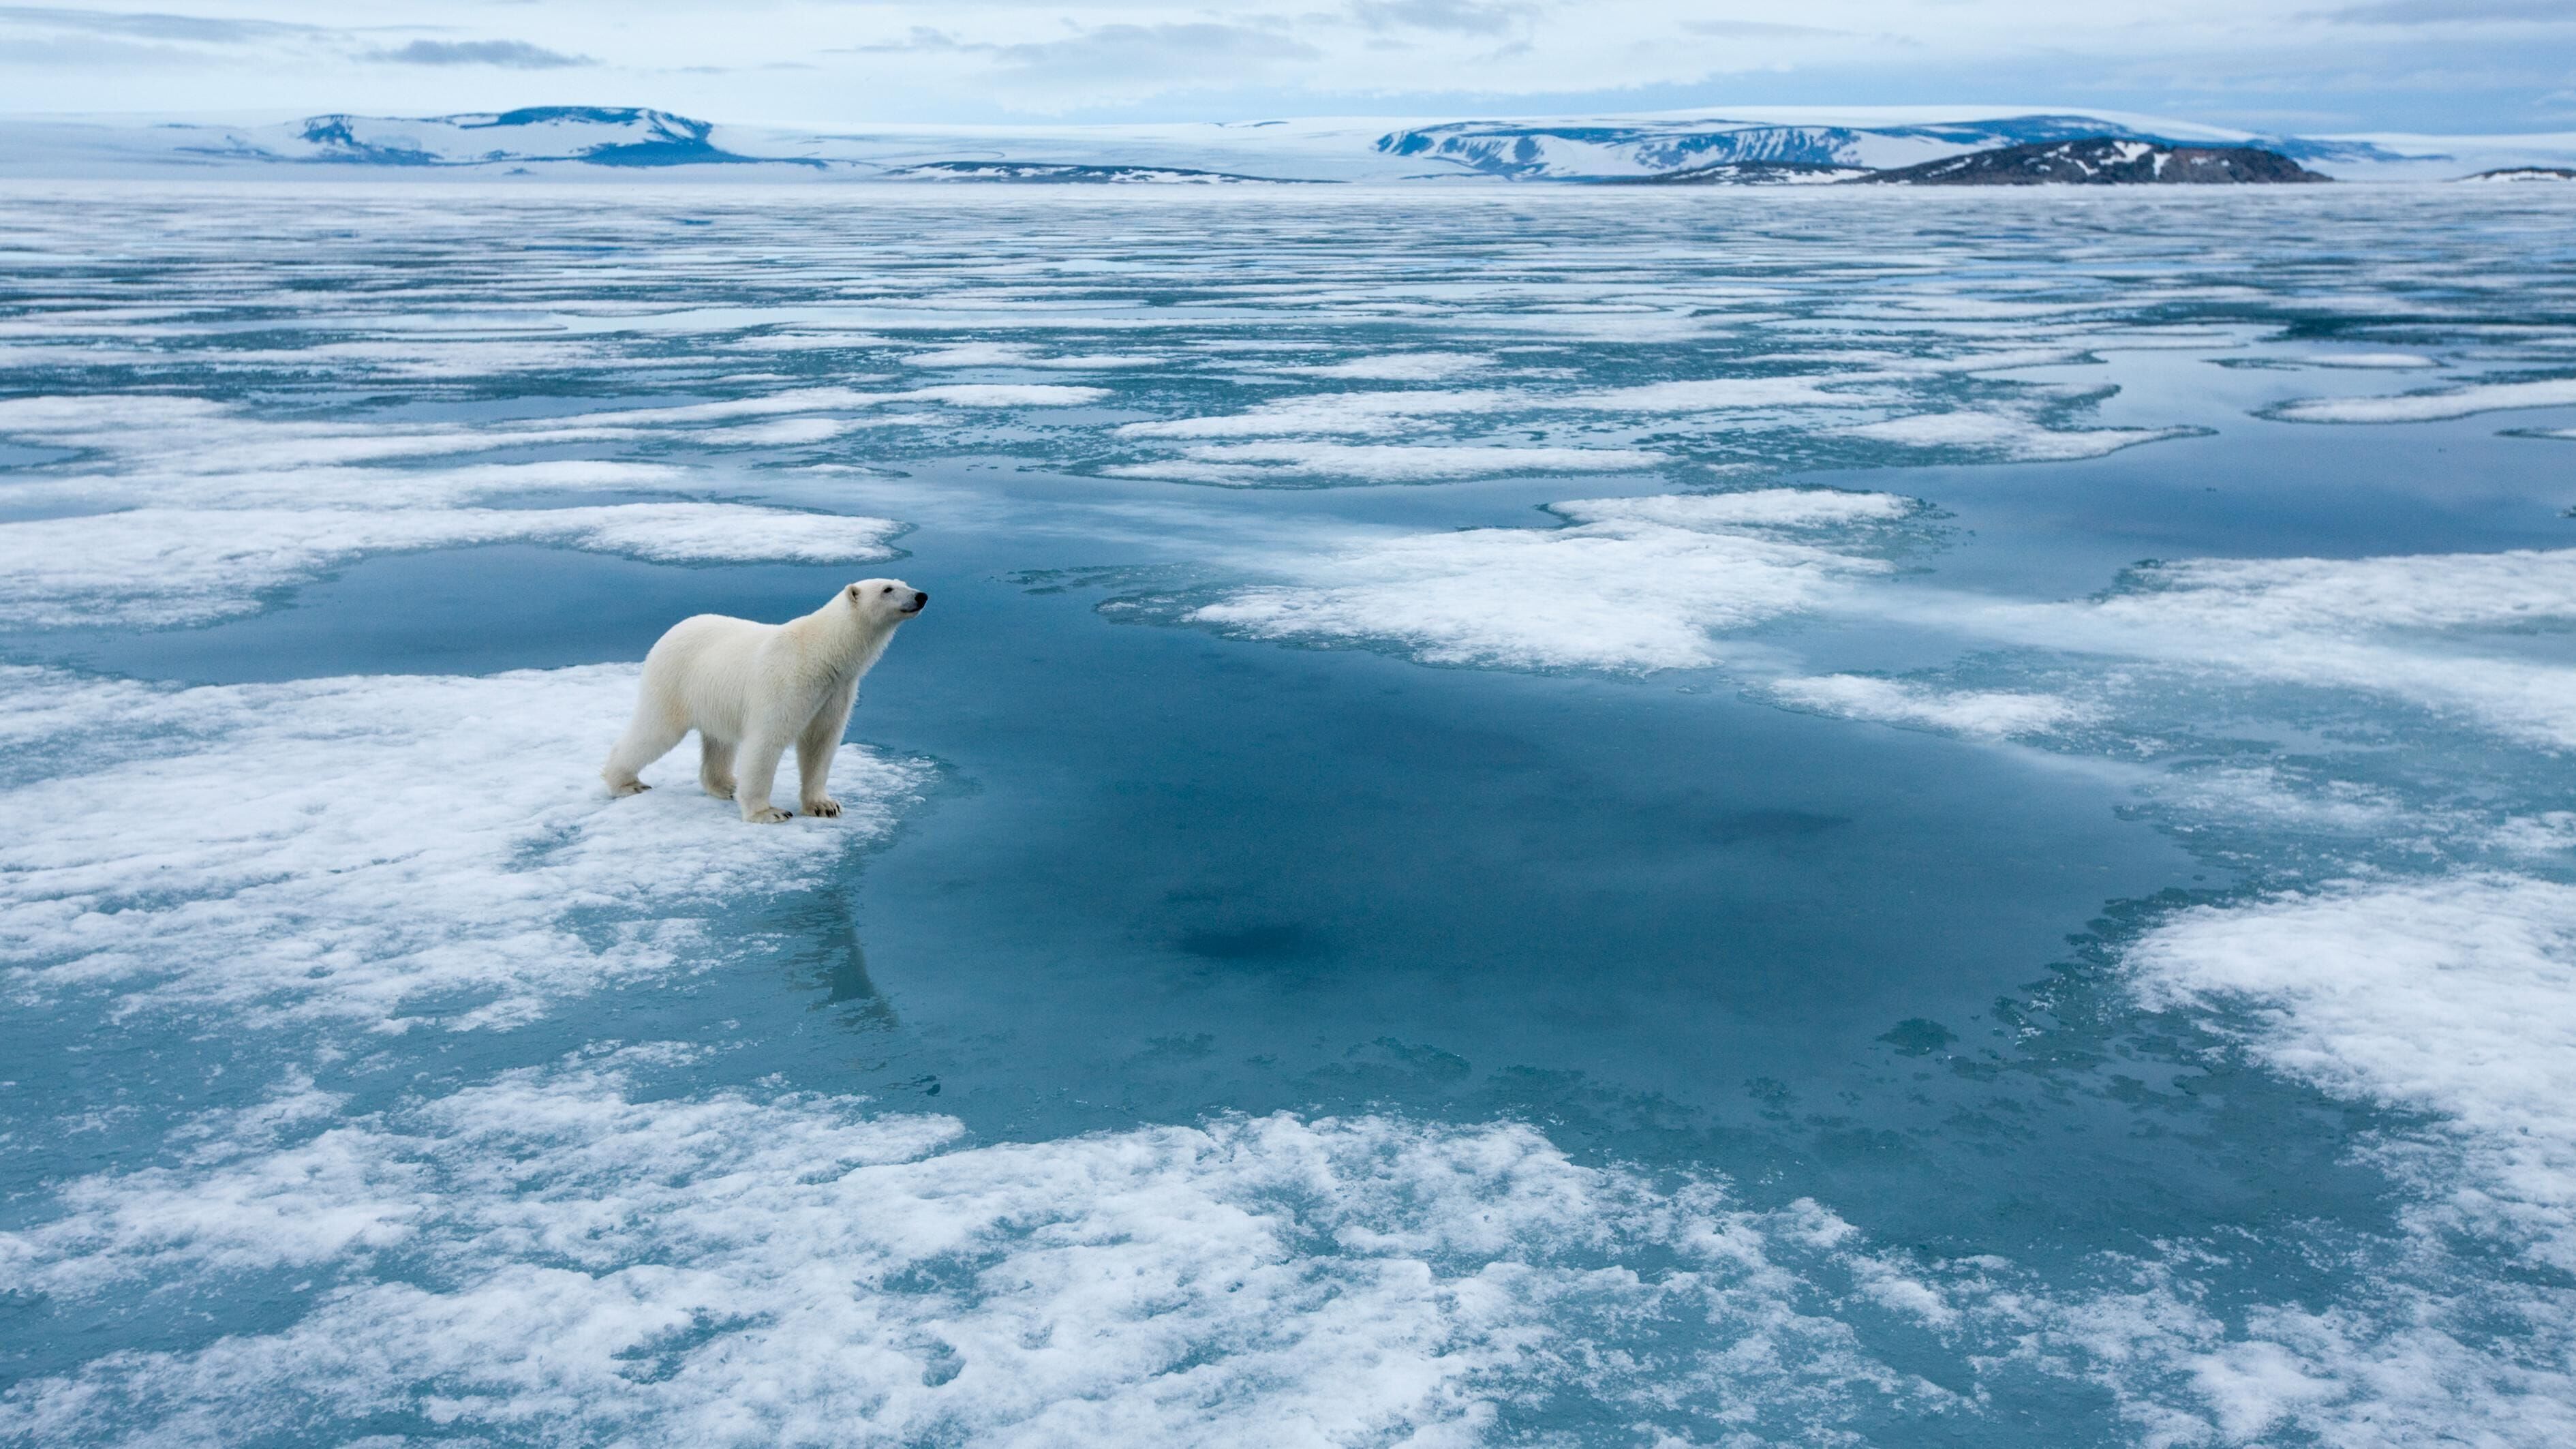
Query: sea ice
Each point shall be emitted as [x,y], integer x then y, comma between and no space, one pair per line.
[1248,464]
[1621,586]
[787,1268]
[1991,713]
[163,566]
[394,851]
[2424,407]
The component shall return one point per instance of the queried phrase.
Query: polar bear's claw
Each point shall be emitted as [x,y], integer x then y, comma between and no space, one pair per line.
[767,815]
[635,787]
[826,807]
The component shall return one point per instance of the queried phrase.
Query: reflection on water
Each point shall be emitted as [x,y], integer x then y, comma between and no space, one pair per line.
[815,934]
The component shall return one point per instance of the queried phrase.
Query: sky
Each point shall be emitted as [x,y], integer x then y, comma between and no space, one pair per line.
[2312,66]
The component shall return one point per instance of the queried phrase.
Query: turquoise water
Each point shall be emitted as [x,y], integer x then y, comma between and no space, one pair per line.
[1519,818]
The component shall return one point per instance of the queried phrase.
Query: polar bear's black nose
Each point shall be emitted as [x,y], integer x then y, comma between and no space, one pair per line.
[918,599]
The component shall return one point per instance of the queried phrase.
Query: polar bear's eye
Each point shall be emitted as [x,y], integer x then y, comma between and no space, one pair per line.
[887,590]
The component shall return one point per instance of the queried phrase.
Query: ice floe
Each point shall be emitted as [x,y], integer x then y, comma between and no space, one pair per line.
[2405,627]
[1019,354]
[2016,438]
[1276,464]
[2424,407]
[1625,584]
[391,851]
[2453,997]
[1396,367]
[1990,713]
[1655,582]
[2404,591]
[1379,412]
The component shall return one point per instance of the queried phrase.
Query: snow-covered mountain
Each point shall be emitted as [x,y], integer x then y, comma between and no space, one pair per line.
[596,135]
[626,136]
[1694,146]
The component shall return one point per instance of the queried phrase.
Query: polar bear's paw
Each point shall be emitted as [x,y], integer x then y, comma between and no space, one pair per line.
[827,807]
[721,789]
[629,787]
[766,815]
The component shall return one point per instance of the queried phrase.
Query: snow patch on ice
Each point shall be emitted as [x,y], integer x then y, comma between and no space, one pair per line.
[2397,1367]
[1988,713]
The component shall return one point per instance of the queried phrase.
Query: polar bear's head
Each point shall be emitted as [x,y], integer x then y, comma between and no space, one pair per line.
[884,602]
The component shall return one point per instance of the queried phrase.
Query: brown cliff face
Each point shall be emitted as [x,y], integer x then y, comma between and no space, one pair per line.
[2104,161]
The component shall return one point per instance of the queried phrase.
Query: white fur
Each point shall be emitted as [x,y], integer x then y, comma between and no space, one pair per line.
[751,690]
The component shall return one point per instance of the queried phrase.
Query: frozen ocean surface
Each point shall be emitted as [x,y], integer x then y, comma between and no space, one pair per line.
[1523,818]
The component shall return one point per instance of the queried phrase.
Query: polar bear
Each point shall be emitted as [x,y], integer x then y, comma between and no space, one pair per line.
[750,690]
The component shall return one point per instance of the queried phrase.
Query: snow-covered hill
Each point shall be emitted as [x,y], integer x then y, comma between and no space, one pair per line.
[2105,161]
[597,135]
[628,136]
[604,142]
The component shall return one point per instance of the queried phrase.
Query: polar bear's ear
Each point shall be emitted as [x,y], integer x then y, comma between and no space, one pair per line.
[854,591]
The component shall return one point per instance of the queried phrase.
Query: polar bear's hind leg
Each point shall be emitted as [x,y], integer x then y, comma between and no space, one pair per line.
[649,736]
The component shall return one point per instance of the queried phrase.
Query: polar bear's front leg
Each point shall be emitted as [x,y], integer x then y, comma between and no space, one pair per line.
[756,770]
[815,747]
[715,765]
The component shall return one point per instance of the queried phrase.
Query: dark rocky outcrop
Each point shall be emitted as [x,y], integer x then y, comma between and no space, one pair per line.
[2103,161]
[1065,171]
[2526,173]
[1747,173]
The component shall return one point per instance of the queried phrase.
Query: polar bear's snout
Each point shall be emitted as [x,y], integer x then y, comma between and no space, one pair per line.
[884,596]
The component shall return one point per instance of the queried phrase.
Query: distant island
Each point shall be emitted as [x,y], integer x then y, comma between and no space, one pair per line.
[2526,173]
[2104,161]
[2082,161]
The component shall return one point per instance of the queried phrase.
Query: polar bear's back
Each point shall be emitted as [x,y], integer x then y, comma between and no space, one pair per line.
[706,668]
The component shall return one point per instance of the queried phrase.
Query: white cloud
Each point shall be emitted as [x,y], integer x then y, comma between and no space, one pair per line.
[509,54]
[804,61]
